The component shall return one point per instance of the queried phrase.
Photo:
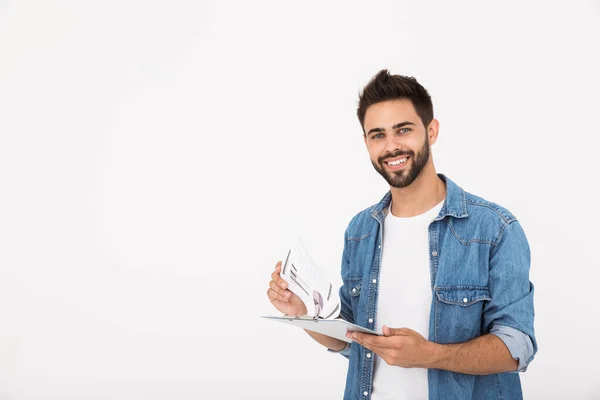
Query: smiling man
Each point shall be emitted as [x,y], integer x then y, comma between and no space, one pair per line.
[442,273]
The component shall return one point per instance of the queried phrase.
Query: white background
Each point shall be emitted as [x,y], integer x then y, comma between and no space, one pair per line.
[158,158]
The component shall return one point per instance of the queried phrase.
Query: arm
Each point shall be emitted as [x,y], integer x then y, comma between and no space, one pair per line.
[406,348]
[508,318]
[510,313]
[484,355]
[333,344]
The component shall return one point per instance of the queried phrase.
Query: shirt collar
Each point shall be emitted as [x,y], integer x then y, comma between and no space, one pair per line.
[455,204]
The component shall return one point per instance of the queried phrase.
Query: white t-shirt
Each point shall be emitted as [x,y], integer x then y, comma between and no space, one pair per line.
[404,299]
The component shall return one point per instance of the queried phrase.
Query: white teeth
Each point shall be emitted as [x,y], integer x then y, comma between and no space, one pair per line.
[397,162]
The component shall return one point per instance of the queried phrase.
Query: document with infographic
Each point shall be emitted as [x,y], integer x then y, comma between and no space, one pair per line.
[306,280]
[318,294]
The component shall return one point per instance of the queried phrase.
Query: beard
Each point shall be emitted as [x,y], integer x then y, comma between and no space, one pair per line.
[407,175]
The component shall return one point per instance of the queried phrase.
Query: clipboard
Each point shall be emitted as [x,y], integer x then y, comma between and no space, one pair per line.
[335,328]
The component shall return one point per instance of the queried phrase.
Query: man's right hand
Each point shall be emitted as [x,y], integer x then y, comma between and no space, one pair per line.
[289,303]
[282,298]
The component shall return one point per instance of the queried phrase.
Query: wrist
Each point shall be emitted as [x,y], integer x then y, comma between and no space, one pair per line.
[434,354]
[338,349]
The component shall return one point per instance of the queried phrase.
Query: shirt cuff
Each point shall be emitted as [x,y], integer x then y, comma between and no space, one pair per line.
[345,351]
[519,344]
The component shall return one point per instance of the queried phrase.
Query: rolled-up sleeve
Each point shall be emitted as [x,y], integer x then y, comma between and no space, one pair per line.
[518,343]
[510,312]
[345,351]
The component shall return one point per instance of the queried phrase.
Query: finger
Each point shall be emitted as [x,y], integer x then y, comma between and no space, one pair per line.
[278,280]
[274,296]
[354,336]
[387,331]
[368,340]
[359,338]
[275,276]
[285,294]
[271,295]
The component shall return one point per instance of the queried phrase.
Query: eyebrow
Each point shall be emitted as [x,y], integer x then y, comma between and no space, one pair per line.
[398,125]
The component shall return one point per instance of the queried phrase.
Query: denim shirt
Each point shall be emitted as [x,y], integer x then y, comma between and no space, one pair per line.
[479,275]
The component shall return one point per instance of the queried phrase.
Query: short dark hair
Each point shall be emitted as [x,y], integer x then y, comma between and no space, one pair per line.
[385,86]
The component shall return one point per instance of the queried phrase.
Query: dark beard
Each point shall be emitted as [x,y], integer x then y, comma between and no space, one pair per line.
[404,177]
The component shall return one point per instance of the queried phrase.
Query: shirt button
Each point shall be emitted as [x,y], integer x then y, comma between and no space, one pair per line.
[465,300]
[434,253]
[370,320]
[366,393]
[374,280]
[368,355]
[353,290]
[379,246]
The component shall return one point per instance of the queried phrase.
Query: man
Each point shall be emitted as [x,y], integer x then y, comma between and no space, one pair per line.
[444,274]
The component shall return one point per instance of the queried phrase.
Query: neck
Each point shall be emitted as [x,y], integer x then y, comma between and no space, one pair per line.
[420,196]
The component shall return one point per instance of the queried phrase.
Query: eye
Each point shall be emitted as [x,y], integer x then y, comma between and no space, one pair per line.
[377,136]
[404,130]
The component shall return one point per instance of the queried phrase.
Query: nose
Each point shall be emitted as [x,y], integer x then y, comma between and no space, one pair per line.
[392,144]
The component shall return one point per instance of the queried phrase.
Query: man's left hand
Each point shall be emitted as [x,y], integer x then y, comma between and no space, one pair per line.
[402,347]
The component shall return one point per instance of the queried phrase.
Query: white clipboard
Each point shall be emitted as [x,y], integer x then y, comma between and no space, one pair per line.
[335,328]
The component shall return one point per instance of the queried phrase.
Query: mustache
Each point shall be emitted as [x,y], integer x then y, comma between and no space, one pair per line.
[396,154]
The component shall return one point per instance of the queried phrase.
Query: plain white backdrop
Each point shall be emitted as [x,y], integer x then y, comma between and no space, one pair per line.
[158,158]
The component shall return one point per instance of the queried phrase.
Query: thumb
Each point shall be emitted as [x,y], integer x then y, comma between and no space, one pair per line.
[387,331]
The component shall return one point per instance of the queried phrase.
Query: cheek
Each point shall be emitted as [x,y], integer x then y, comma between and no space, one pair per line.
[374,152]
[375,155]
[417,146]
[415,142]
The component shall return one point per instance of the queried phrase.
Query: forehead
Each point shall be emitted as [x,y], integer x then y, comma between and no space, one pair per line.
[388,113]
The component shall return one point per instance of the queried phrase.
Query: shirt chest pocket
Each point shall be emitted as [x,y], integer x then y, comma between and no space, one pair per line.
[462,296]
[459,312]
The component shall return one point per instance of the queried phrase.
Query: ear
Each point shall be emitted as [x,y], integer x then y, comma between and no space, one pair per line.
[365,139]
[432,131]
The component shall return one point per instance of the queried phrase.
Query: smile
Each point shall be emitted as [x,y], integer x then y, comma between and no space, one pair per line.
[396,163]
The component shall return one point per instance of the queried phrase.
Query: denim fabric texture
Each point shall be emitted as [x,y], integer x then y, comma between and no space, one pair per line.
[479,275]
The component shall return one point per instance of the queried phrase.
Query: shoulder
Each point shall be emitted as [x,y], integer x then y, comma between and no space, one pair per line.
[478,207]
[484,222]
[361,223]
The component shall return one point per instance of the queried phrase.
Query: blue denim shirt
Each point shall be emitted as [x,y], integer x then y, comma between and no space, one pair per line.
[479,274]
